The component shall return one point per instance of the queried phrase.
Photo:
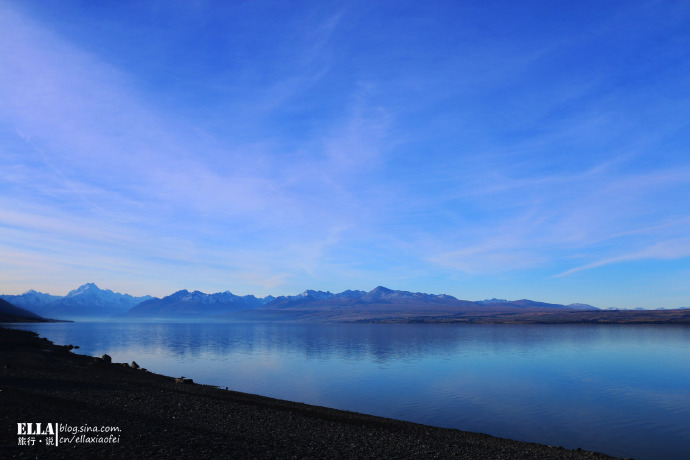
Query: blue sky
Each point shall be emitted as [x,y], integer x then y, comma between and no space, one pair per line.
[480,149]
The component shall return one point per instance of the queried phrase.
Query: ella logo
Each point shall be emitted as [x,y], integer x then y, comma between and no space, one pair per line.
[35,429]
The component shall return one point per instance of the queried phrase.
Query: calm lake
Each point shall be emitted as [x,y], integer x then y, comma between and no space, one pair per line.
[623,390]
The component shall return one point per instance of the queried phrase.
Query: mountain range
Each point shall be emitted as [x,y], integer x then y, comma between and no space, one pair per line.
[384,298]
[380,305]
[195,304]
[89,301]
[312,304]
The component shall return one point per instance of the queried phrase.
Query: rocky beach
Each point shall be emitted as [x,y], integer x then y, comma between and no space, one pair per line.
[90,407]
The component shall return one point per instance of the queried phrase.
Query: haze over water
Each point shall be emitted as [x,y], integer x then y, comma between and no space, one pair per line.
[622,390]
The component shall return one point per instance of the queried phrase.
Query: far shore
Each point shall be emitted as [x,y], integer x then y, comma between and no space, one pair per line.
[681,316]
[151,415]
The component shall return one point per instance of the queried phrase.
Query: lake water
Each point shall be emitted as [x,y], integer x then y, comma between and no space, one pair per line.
[623,390]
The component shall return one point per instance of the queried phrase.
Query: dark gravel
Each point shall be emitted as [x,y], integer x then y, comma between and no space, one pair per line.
[160,417]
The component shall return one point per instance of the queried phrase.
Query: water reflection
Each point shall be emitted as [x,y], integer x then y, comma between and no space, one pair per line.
[618,389]
[381,342]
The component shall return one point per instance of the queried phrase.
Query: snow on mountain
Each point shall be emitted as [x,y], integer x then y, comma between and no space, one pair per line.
[87,301]
[385,298]
[32,300]
[379,297]
[490,301]
[86,289]
[317,295]
[195,304]
[384,295]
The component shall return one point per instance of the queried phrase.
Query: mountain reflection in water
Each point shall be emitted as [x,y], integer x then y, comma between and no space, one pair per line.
[617,389]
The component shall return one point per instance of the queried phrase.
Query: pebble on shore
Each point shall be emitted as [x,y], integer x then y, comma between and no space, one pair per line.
[160,416]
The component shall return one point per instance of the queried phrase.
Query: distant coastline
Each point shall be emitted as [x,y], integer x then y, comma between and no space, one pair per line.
[681,316]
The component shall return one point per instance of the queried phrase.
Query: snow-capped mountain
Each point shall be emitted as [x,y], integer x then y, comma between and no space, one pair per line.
[195,304]
[87,301]
[385,295]
[32,300]
[381,298]
[491,301]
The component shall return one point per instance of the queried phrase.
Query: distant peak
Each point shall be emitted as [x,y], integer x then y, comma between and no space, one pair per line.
[87,286]
[316,295]
[83,288]
[494,300]
[582,306]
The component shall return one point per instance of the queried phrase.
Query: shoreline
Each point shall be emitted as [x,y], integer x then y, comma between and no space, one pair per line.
[157,415]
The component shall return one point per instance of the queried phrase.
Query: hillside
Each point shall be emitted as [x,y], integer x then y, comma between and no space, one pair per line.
[13,314]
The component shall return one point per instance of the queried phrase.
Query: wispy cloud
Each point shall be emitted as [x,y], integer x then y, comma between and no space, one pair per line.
[542,218]
[101,172]
[338,142]
[663,250]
